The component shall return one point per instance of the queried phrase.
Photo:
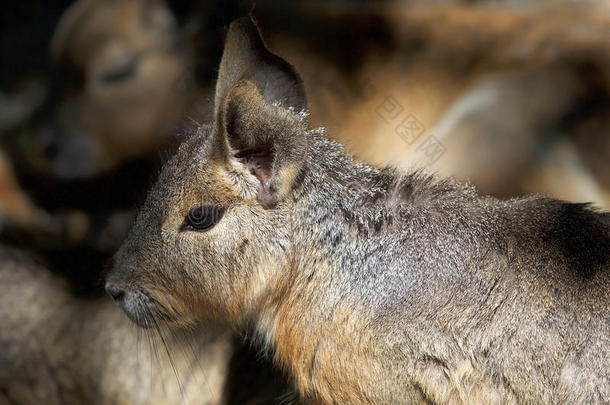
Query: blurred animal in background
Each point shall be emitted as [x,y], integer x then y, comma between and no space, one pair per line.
[124,75]
[512,99]
[113,90]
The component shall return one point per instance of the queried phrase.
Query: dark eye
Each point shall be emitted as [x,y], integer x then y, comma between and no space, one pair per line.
[202,218]
[121,73]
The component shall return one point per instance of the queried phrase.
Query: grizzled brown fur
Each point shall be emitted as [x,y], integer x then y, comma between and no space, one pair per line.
[368,285]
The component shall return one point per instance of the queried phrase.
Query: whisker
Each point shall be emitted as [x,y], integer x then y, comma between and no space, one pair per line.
[152,353]
[171,360]
[138,340]
[141,352]
[191,348]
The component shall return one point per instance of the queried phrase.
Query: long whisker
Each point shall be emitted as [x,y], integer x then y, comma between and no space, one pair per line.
[191,348]
[138,340]
[152,353]
[170,358]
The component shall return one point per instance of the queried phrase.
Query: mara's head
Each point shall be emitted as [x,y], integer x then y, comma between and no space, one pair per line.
[213,235]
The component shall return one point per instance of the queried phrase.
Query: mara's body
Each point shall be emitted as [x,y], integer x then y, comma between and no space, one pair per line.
[447,297]
[368,285]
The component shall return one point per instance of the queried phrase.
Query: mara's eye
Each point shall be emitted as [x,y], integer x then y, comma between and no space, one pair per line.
[203,217]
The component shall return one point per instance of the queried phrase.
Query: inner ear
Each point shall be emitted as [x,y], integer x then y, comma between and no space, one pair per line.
[267,140]
[247,117]
[258,161]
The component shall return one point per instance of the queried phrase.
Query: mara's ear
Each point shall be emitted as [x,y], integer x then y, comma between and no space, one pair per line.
[260,128]
[245,56]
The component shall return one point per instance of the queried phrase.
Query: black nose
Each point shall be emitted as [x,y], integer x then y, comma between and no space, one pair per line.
[115,292]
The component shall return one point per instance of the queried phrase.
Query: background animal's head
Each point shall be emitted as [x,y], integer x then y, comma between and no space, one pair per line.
[116,85]
[213,232]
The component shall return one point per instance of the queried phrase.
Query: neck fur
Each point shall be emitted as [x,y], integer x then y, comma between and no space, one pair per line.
[345,213]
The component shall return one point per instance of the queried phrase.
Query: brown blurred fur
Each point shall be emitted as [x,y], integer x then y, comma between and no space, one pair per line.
[121,81]
[543,64]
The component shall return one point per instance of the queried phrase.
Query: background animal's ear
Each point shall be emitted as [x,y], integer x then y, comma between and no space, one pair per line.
[261,128]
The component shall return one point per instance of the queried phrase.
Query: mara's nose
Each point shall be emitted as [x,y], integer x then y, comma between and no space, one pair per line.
[114,291]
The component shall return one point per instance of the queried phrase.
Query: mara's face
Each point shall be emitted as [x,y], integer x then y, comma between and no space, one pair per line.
[200,246]
[120,83]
